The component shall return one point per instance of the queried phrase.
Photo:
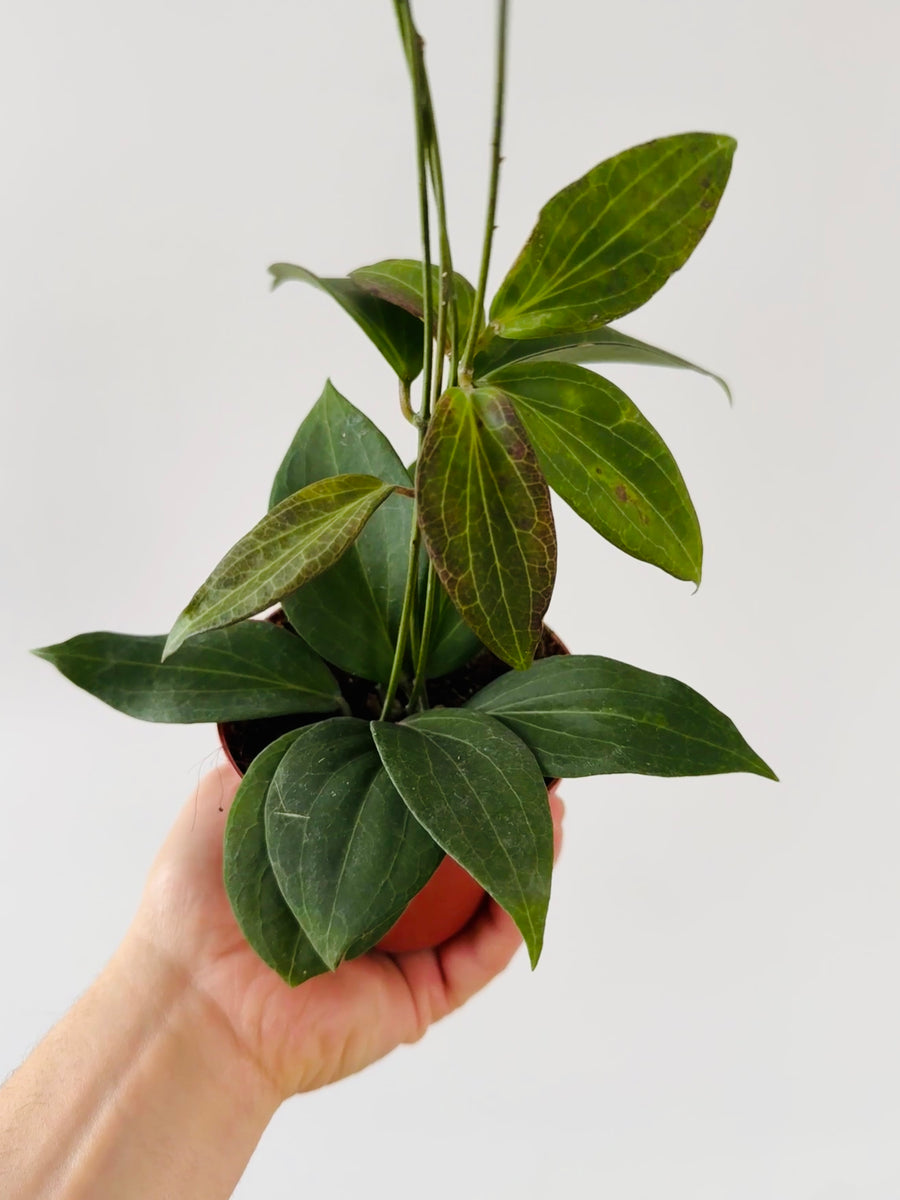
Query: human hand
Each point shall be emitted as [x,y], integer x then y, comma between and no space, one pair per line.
[332,1025]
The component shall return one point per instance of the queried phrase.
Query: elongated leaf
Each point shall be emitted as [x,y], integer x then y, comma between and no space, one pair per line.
[604,458]
[478,791]
[604,245]
[346,851]
[256,900]
[484,509]
[399,281]
[351,612]
[452,643]
[587,715]
[249,670]
[589,346]
[394,332]
[300,538]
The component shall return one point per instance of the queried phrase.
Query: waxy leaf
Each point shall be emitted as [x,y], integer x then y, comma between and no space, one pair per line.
[484,509]
[452,643]
[351,612]
[399,281]
[586,715]
[589,346]
[478,791]
[603,457]
[347,852]
[604,245]
[300,538]
[249,670]
[256,900]
[394,332]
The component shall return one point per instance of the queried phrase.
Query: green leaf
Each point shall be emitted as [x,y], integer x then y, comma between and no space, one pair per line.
[350,614]
[395,333]
[586,715]
[256,900]
[399,281]
[604,245]
[300,538]
[484,509]
[249,670]
[603,457]
[452,643]
[589,346]
[479,793]
[346,851]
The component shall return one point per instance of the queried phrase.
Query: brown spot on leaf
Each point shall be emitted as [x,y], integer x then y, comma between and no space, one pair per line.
[622,493]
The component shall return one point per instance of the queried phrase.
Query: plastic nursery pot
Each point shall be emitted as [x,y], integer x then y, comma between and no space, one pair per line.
[451,897]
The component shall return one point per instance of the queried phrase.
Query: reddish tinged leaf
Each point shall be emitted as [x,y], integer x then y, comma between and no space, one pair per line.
[484,509]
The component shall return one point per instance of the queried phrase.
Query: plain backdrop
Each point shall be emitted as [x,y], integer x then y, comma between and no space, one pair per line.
[716,1013]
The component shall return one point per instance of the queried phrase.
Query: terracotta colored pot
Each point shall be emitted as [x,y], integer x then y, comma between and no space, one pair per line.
[450,898]
[446,903]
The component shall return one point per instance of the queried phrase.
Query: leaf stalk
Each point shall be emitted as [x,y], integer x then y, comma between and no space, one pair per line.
[465,367]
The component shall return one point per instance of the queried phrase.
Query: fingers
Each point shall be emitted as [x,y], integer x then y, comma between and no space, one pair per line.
[477,954]
[557,812]
[196,836]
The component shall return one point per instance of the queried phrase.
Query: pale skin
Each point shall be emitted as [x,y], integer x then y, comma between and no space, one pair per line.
[162,1078]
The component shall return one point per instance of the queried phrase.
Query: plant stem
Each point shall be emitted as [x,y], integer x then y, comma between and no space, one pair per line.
[447,314]
[418,688]
[447,330]
[412,46]
[447,321]
[405,404]
[403,627]
[465,367]
[424,135]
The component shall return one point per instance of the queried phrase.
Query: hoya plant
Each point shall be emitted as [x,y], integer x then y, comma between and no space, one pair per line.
[405,706]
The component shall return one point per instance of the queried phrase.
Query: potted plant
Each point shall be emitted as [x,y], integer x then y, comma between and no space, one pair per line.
[399,717]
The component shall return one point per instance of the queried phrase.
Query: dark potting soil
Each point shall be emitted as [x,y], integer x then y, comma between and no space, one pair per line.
[245,739]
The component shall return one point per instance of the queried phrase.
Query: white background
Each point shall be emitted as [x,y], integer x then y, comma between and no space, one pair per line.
[716,1012]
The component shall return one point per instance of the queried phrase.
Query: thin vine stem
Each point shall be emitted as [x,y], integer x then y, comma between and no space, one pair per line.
[465,367]
[412,44]
[447,292]
[406,403]
[412,47]
[418,688]
[428,161]
[447,331]
[403,628]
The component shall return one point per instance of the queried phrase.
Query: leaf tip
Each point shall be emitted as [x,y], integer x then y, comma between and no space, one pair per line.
[45,652]
[535,945]
[280,273]
[175,639]
[761,767]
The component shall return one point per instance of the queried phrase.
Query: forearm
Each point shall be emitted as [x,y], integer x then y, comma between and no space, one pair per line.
[142,1090]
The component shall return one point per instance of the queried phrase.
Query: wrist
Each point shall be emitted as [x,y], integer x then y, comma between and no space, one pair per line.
[178,1015]
[185,1104]
[142,1090]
